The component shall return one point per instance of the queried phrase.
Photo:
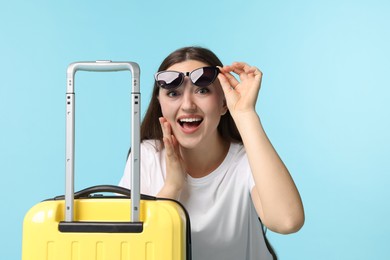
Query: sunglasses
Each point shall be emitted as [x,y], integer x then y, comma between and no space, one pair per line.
[201,77]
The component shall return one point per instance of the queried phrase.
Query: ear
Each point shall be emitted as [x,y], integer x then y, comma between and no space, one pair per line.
[224,108]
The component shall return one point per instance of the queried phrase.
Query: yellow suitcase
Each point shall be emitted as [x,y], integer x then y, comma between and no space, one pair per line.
[102,230]
[124,225]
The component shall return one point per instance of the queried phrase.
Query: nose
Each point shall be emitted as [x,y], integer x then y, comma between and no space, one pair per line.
[188,102]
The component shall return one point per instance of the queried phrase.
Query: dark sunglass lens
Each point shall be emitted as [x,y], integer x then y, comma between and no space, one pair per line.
[169,79]
[203,77]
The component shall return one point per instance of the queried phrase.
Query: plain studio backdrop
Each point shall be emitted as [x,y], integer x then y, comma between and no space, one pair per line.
[324,102]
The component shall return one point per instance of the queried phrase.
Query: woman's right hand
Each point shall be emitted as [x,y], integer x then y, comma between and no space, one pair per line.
[175,173]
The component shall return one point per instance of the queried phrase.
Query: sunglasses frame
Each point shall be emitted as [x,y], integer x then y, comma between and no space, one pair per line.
[184,74]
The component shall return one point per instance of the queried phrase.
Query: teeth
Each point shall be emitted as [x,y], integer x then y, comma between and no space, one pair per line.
[190,120]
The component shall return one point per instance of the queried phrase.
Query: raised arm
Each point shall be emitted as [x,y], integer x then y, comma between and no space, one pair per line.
[274,195]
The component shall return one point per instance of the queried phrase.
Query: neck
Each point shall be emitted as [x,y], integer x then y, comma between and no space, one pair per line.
[201,161]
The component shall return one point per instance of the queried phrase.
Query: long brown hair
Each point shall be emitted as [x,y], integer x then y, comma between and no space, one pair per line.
[150,127]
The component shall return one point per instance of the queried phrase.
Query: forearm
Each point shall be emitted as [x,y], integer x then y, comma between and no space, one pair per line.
[280,202]
[169,192]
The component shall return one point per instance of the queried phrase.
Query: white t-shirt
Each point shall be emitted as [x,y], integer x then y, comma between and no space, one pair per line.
[224,222]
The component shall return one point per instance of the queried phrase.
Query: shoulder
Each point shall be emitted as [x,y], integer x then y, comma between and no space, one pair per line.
[239,162]
[151,146]
[152,152]
[238,152]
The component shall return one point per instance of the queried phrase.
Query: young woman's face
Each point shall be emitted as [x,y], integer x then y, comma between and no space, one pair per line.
[193,112]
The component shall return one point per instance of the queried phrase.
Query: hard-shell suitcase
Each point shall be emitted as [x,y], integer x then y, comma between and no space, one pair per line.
[123,226]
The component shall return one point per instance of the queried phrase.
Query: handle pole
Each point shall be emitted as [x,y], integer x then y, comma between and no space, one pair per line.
[105,66]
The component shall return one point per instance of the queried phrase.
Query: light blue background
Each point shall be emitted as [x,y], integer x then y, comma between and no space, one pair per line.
[324,102]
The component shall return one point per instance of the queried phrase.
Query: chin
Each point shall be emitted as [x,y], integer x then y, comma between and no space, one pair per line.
[189,143]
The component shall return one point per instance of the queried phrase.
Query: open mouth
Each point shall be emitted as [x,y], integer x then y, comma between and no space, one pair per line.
[190,123]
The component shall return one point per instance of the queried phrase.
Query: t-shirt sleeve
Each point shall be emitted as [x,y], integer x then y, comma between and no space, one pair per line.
[126,179]
[152,169]
[246,170]
[251,182]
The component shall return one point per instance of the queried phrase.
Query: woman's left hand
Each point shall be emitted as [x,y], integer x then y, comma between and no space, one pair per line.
[241,95]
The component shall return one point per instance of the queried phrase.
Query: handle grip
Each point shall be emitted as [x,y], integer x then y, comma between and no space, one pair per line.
[104,188]
[104,66]
[101,188]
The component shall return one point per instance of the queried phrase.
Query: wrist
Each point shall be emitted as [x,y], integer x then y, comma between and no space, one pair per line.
[245,117]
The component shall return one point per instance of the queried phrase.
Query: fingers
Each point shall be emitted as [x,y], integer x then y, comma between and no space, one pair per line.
[228,81]
[241,94]
[175,174]
[165,127]
[175,144]
[242,69]
[169,143]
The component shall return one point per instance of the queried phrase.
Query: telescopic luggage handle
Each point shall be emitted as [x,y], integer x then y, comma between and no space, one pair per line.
[70,130]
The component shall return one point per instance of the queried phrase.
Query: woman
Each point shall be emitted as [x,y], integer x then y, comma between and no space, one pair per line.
[203,144]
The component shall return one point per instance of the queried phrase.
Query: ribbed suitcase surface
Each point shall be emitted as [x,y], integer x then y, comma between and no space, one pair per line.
[163,235]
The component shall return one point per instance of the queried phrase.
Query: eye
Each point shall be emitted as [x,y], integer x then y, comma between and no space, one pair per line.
[202,91]
[172,93]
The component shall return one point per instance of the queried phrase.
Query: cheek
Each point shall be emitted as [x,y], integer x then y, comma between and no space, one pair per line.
[165,113]
[167,109]
[164,109]
[215,107]
[220,101]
